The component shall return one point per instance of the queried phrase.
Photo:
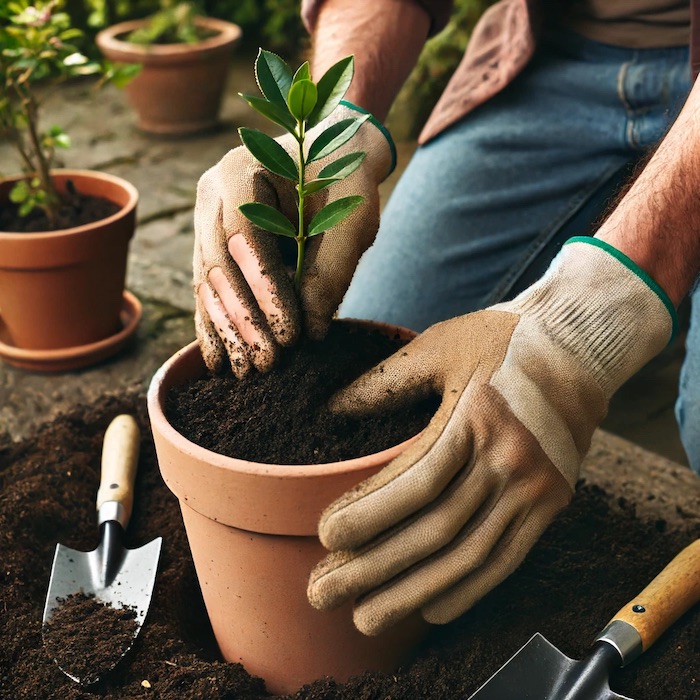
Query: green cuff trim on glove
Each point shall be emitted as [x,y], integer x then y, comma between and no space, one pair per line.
[381,127]
[633,267]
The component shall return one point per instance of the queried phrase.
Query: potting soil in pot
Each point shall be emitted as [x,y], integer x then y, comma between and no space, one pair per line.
[282,417]
[594,558]
[78,210]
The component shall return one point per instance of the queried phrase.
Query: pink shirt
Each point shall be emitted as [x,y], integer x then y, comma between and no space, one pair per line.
[501,44]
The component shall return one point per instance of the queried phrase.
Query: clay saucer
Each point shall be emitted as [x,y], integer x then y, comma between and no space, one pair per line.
[64,359]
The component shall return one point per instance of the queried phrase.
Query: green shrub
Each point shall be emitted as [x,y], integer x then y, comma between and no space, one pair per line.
[277,25]
[273,23]
[433,71]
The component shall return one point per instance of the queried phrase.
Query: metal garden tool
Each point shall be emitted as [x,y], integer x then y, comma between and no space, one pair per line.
[539,671]
[116,576]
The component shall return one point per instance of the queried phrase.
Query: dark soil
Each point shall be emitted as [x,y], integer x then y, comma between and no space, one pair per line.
[594,558]
[86,637]
[76,210]
[281,417]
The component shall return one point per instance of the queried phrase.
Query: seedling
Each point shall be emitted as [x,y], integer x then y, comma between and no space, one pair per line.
[174,23]
[38,45]
[297,104]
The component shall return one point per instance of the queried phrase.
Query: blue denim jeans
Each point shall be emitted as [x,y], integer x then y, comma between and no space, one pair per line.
[481,210]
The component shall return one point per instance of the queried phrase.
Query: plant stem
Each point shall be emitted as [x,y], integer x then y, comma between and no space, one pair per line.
[301,233]
[9,124]
[42,165]
[38,166]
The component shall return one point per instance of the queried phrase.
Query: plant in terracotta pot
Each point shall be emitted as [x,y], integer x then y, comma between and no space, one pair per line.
[254,461]
[184,58]
[64,234]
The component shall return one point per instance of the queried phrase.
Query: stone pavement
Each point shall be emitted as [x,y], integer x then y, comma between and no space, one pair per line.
[166,172]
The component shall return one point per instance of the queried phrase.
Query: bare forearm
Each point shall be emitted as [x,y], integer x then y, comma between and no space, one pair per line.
[657,223]
[385,37]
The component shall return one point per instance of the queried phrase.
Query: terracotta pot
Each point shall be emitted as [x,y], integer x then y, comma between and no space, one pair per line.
[65,289]
[180,86]
[252,531]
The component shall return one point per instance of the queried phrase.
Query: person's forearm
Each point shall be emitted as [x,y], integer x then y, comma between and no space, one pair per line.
[386,39]
[657,222]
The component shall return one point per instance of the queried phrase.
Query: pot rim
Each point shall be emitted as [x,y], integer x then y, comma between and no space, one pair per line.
[156,394]
[64,174]
[108,40]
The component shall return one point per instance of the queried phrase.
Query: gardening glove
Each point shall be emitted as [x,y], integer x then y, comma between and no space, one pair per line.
[246,307]
[524,385]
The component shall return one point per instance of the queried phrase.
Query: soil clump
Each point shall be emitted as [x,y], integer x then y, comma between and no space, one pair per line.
[86,637]
[596,556]
[281,417]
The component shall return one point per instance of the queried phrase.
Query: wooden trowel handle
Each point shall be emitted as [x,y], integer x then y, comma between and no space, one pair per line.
[120,453]
[674,591]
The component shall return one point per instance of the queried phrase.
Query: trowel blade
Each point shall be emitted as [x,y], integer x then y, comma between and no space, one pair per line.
[74,572]
[539,671]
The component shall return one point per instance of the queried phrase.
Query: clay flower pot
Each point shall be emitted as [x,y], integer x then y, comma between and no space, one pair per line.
[62,298]
[252,530]
[180,86]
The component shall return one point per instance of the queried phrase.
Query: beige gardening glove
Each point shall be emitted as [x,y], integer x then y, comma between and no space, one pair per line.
[523,385]
[246,308]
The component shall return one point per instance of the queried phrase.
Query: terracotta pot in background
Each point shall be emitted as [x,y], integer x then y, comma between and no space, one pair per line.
[252,529]
[62,289]
[180,86]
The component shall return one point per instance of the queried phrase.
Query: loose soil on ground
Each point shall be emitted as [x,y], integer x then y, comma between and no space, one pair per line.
[595,557]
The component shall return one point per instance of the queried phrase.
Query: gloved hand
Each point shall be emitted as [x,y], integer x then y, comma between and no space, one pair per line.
[523,385]
[246,307]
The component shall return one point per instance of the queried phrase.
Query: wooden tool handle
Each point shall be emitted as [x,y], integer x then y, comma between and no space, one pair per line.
[120,453]
[674,591]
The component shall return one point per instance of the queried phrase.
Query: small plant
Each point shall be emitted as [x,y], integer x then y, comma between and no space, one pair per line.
[37,45]
[174,23]
[296,103]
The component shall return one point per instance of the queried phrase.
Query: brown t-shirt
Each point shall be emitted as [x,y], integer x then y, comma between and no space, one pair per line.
[637,24]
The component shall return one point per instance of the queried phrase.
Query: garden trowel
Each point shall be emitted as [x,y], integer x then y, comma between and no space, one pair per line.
[539,671]
[117,577]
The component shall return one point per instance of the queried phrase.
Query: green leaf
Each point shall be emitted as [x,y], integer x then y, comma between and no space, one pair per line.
[70,34]
[334,137]
[272,111]
[19,192]
[121,74]
[302,99]
[268,218]
[62,141]
[333,214]
[343,166]
[274,77]
[268,152]
[87,69]
[332,88]
[26,207]
[303,73]
[319,184]
[75,59]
